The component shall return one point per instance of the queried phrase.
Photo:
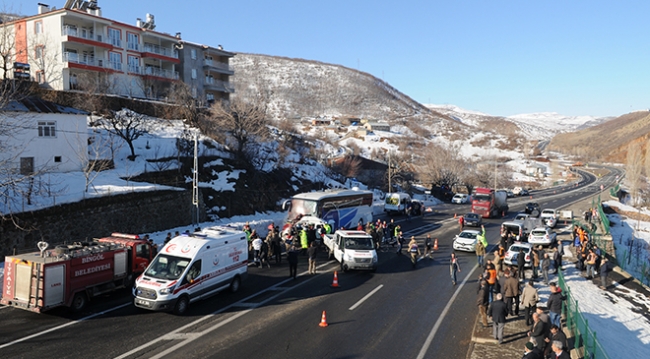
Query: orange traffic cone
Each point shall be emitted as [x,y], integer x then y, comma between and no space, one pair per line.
[435,244]
[455,215]
[335,282]
[323,320]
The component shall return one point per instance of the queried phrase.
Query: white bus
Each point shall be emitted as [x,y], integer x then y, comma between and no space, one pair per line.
[339,208]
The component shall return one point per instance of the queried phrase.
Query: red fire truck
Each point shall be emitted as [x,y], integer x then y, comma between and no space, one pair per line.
[69,275]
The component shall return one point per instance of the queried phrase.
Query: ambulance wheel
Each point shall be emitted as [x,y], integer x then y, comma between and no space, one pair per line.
[234,285]
[182,304]
[79,302]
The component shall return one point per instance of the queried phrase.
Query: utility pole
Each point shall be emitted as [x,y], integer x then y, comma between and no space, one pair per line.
[195,183]
[390,189]
[495,174]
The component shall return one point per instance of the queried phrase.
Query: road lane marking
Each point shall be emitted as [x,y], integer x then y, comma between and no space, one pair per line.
[62,326]
[436,326]
[366,297]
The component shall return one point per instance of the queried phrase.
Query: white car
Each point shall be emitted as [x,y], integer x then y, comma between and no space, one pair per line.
[513,252]
[542,235]
[460,198]
[550,216]
[466,240]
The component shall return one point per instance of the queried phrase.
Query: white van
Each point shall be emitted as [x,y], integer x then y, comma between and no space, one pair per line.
[192,267]
[397,202]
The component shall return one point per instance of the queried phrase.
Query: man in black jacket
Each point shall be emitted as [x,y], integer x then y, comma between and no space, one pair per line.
[521,261]
[538,332]
[554,304]
[498,311]
[482,302]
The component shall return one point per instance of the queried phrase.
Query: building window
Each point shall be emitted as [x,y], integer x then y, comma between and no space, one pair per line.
[38,52]
[116,60]
[38,27]
[193,54]
[115,36]
[132,41]
[134,64]
[57,159]
[193,74]
[46,129]
[209,97]
[26,165]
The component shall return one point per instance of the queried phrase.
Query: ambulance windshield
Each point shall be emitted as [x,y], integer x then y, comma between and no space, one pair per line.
[167,267]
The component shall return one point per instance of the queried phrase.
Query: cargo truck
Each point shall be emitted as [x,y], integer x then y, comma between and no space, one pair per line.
[69,275]
[490,203]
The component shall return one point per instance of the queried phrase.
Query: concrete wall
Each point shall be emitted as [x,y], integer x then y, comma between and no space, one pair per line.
[135,213]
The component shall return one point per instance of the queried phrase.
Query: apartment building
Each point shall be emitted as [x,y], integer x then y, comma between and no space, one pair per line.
[75,48]
[207,71]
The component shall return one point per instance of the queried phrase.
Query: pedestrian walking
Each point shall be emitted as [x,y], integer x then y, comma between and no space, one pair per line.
[414,250]
[521,261]
[461,222]
[482,302]
[428,247]
[498,313]
[400,242]
[535,264]
[491,279]
[257,247]
[311,253]
[264,255]
[454,267]
[292,258]
[529,299]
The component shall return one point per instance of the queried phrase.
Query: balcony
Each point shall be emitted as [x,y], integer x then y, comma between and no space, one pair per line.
[115,42]
[218,85]
[82,59]
[82,33]
[117,66]
[135,69]
[159,50]
[133,46]
[158,72]
[220,66]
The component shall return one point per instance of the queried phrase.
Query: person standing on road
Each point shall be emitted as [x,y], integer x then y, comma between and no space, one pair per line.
[400,241]
[498,312]
[257,248]
[397,230]
[482,302]
[414,250]
[512,293]
[491,280]
[529,299]
[521,261]
[497,261]
[461,222]
[605,268]
[292,257]
[480,252]
[311,253]
[428,247]
[454,267]
[535,264]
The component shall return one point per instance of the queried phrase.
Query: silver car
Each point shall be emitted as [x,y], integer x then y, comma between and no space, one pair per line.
[542,235]
[466,240]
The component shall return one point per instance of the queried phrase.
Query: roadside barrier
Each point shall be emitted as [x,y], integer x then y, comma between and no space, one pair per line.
[586,342]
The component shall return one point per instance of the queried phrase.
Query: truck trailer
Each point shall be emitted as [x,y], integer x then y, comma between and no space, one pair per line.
[490,203]
[69,275]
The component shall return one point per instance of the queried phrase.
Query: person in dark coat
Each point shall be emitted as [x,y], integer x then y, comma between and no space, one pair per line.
[558,351]
[498,311]
[531,352]
[482,302]
[554,304]
[556,335]
[538,331]
[292,257]
[605,268]
[521,261]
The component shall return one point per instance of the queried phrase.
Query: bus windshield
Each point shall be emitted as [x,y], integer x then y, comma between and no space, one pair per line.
[481,197]
[300,208]
[167,267]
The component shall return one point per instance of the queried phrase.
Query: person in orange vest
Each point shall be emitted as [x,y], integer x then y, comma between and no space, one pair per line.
[502,256]
[491,278]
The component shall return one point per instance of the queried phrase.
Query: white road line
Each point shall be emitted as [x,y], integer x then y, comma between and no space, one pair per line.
[366,297]
[63,326]
[218,325]
[442,316]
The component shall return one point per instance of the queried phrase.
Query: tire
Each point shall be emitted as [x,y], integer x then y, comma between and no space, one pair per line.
[182,305]
[235,284]
[79,302]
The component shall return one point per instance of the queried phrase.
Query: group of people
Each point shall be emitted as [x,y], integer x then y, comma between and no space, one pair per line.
[590,258]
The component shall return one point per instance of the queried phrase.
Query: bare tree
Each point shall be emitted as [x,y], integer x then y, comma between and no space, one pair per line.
[127,125]
[243,121]
[441,165]
[633,168]
[187,106]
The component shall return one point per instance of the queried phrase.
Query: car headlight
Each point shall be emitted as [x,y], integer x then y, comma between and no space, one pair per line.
[374,258]
[167,290]
[347,257]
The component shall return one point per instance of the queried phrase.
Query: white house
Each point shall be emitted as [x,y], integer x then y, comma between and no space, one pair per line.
[39,135]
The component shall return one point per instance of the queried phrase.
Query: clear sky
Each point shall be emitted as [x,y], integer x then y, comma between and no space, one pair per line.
[501,57]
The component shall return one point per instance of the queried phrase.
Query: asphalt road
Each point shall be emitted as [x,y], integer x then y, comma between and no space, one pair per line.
[396,312]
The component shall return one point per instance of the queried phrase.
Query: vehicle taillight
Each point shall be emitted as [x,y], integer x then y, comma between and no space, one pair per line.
[527,257]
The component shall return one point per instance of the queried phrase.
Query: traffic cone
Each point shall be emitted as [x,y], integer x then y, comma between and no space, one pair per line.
[435,244]
[335,282]
[454,215]
[323,319]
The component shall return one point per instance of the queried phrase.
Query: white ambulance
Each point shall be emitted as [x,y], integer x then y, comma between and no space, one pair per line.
[191,267]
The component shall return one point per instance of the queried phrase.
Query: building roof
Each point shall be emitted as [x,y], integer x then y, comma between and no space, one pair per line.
[36,104]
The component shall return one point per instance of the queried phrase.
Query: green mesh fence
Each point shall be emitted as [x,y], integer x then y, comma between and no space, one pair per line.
[586,340]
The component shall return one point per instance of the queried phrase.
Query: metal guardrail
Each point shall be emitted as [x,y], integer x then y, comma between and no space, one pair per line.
[585,337]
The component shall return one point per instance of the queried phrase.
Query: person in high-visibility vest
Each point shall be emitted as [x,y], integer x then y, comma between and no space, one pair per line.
[304,242]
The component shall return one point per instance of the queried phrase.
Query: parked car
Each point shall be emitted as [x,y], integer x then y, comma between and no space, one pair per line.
[513,252]
[523,192]
[521,217]
[473,219]
[517,191]
[466,240]
[550,222]
[460,198]
[542,235]
[533,209]
[510,194]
